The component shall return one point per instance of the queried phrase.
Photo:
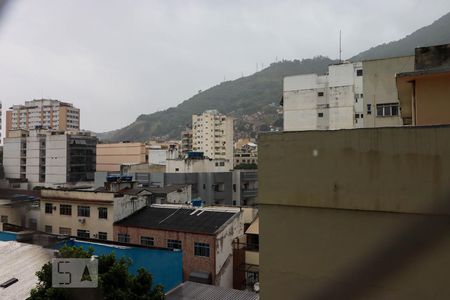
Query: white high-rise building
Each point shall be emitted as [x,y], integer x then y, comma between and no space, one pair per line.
[212,134]
[43,113]
[331,101]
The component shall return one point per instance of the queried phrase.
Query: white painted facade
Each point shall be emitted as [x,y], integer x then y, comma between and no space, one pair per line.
[198,165]
[212,134]
[332,101]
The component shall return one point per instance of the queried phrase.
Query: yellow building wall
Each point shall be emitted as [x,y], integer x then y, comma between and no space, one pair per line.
[433,100]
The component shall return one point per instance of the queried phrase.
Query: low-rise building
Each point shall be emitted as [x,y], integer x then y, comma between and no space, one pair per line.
[246,154]
[86,214]
[203,235]
[198,165]
[19,208]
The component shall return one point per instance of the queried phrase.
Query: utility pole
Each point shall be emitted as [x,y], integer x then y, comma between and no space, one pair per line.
[340,47]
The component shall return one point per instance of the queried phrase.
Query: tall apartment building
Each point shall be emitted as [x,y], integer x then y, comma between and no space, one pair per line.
[1,122]
[43,113]
[212,134]
[331,101]
[50,157]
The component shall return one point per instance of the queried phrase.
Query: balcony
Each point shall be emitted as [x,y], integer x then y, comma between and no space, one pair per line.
[253,176]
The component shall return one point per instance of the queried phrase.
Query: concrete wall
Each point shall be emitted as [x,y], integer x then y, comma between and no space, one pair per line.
[125,206]
[182,195]
[379,86]
[11,157]
[224,251]
[56,159]
[198,165]
[355,214]
[432,100]
[111,156]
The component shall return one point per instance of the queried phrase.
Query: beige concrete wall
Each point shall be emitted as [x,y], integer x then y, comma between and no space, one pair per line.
[111,156]
[354,214]
[379,86]
[433,100]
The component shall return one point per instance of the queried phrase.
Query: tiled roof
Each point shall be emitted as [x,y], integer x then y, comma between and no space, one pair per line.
[178,219]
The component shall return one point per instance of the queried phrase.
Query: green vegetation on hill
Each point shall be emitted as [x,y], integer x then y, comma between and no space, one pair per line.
[253,100]
[260,92]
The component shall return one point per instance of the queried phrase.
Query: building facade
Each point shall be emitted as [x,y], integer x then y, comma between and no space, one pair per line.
[355,214]
[50,157]
[43,113]
[424,92]
[331,101]
[85,214]
[381,100]
[186,141]
[111,156]
[204,236]
[212,134]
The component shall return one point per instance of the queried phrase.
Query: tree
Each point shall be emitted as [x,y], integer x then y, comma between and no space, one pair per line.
[114,281]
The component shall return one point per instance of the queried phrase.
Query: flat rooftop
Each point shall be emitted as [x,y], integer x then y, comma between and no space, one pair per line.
[178,219]
[21,261]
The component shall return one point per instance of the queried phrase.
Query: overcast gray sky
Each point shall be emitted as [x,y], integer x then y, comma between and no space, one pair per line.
[116,60]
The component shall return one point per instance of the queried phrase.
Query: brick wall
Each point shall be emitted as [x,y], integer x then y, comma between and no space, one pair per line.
[190,261]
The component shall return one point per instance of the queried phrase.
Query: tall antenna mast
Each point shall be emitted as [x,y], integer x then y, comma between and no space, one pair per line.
[340,47]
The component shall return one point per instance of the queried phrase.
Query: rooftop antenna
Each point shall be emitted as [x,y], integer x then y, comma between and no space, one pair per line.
[340,47]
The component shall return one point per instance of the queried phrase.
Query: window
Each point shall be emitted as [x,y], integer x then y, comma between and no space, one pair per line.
[387,110]
[81,233]
[359,72]
[201,249]
[4,219]
[84,211]
[174,244]
[123,238]
[177,169]
[147,241]
[222,164]
[65,231]
[320,115]
[32,223]
[361,96]
[102,235]
[320,94]
[65,209]
[369,109]
[48,228]
[48,208]
[102,213]
[356,116]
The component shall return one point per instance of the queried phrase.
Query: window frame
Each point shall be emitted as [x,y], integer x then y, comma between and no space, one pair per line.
[202,249]
[123,237]
[102,234]
[387,110]
[100,212]
[174,244]
[49,205]
[84,211]
[150,241]
[67,209]
[85,234]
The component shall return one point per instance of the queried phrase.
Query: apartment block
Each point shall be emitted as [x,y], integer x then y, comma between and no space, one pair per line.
[43,113]
[49,157]
[111,156]
[331,101]
[86,214]
[204,236]
[212,134]
[186,141]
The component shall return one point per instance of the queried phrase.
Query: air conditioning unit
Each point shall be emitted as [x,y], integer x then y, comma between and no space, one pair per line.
[82,221]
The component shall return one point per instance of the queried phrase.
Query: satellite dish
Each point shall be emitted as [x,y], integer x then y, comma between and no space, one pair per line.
[256,287]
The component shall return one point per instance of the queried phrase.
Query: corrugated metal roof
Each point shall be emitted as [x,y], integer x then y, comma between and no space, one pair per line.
[21,261]
[191,290]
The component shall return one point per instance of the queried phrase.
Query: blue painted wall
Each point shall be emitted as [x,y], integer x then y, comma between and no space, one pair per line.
[165,266]
[7,236]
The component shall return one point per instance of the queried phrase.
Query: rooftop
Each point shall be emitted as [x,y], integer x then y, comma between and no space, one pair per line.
[21,261]
[178,219]
[191,290]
